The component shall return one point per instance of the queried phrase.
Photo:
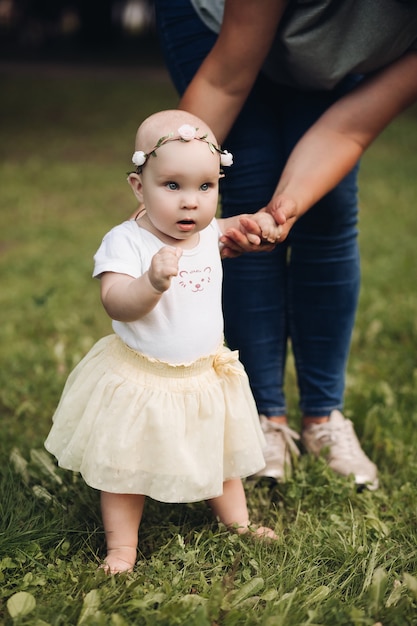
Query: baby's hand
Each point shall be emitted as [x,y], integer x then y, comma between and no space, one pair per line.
[270,231]
[258,232]
[285,211]
[164,266]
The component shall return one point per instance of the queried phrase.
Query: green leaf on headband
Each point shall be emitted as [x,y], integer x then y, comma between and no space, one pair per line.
[162,139]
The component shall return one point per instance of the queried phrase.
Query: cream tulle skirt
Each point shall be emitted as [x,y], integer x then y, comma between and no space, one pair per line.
[130,424]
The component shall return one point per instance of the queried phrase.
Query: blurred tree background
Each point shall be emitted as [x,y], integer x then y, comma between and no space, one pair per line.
[79,31]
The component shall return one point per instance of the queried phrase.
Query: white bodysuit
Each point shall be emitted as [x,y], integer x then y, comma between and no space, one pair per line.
[187,323]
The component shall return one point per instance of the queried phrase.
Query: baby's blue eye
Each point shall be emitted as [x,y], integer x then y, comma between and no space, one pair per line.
[172,186]
[204,187]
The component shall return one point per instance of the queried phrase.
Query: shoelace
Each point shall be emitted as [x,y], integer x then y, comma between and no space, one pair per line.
[289,435]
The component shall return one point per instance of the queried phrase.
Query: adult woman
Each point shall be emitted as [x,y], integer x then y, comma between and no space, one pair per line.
[297,91]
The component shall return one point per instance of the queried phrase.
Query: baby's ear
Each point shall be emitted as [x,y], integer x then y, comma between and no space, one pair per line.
[135,181]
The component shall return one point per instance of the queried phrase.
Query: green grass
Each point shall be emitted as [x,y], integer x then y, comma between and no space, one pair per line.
[343,558]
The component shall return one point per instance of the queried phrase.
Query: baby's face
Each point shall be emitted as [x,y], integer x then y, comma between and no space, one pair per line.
[180,188]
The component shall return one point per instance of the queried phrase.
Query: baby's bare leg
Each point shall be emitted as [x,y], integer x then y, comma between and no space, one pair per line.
[121,515]
[232,511]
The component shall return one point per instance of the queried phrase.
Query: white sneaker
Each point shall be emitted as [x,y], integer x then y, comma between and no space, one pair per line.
[279,451]
[340,445]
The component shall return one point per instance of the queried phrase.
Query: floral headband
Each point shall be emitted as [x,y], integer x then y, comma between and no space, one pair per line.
[186,132]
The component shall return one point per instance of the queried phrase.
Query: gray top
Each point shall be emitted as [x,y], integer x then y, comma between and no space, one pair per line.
[319,42]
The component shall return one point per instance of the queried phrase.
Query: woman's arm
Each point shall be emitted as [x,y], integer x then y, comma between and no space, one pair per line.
[332,146]
[219,89]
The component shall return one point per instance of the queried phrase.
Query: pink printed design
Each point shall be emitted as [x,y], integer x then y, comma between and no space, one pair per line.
[196,280]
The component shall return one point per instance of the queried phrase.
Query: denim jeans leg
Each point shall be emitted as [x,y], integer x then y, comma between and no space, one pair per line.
[323,271]
[254,290]
[307,289]
[323,285]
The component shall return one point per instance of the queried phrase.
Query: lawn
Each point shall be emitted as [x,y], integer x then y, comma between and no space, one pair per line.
[343,558]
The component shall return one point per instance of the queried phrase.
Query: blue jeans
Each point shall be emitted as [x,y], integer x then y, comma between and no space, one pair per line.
[306,290]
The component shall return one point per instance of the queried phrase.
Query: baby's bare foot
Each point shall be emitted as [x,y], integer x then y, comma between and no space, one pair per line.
[119,560]
[258,532]
[263,532]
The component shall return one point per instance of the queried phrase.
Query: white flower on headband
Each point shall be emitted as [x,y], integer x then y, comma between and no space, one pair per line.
[226,158]
[187,132]
[139,158]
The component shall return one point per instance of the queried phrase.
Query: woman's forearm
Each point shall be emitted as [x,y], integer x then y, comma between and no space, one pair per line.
[333,145]
[317,164]
[217,108]
[222,84]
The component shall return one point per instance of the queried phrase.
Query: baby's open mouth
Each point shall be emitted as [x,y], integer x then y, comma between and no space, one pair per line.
[186,225]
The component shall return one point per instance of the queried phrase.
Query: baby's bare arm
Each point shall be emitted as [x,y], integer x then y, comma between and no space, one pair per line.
[127,299]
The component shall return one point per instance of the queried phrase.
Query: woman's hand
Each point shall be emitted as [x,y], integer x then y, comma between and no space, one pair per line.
[261,231]
[247,238]
[284,210]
